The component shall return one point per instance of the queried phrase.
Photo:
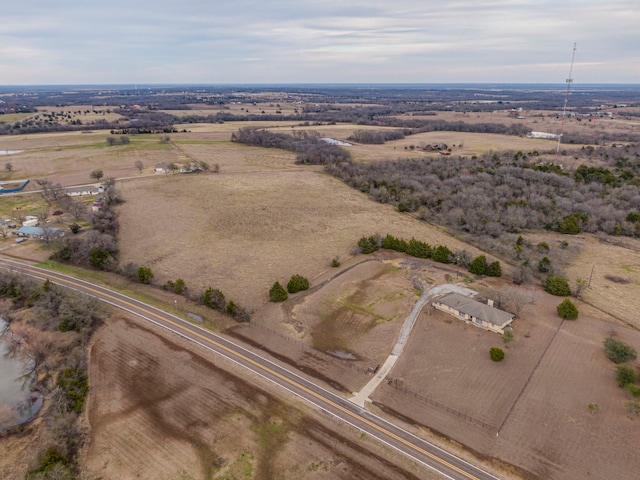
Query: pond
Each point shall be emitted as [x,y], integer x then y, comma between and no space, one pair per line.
[18,402]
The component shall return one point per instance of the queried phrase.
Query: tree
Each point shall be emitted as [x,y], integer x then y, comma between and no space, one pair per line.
[99,257]
[76,209]
[75,228]
[519,298]
[496,354]
[297,283]
[618,351]
[626,375]
[8,166]
[368,244]
[567,310]
[139,165]
[214,298]
[581,284]
[277,293]
[145,275]
[558,286]
[478,265]
[507,337]
[96,175]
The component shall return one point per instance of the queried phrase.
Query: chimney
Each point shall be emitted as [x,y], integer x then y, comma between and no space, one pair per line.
[490,302]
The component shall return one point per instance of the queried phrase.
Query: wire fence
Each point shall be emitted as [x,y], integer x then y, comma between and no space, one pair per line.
[393,383]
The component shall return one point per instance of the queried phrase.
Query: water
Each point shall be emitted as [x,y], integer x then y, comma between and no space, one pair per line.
[18,403]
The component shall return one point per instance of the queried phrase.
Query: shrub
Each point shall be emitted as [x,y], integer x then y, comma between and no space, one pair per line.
[368,244]
[231,308]
[145,275]
[277,293]
[544,265]
[75,228]
[618,351]
[626,375]
[557,286]
[494,269]
[177,287]
[335,263]
[442,254]
[478,265]
[297,283]
[214,298]
[418,249]
[567,310]
[75,385]
[496,354]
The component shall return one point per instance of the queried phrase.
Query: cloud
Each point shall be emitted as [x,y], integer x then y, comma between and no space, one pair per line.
[252,41]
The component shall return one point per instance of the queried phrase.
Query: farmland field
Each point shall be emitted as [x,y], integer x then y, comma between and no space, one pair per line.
[263,218]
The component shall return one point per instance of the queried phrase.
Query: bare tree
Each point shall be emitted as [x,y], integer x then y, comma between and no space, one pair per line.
[139,165]
[97,174]
[77,209]
[519,298]
[57,191]
[8,166]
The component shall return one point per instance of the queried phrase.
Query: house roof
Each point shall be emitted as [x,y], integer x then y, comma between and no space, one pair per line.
[476,309]
[34,230]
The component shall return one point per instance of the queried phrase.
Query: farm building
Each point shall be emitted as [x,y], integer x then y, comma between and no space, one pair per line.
[480,314]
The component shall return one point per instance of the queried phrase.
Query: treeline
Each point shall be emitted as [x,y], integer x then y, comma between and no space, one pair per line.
[98,247]
[439,253]
[375,136]
[309,146]
[497,194]
[54,341]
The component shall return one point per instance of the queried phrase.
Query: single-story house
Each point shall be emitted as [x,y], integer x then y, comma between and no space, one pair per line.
[30,221]
[480,314]
[37,232]
[162,167]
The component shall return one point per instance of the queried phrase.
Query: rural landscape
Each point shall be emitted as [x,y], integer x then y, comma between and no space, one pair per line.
[322,228]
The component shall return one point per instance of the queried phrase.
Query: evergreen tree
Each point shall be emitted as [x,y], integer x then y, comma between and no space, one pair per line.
[277,293]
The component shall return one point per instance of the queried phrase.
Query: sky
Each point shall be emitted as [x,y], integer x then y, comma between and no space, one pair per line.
[44,42]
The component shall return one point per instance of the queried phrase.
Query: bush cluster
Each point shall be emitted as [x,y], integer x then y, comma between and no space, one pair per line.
[439,253]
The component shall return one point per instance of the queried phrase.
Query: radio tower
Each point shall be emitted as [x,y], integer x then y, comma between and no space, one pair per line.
[566,99]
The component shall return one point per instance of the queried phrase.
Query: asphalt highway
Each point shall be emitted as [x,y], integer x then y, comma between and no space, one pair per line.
[430,456]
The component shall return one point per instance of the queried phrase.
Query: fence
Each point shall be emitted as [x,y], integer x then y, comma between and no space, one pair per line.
[441,406]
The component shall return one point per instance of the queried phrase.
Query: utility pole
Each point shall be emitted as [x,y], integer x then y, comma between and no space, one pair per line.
[566,100]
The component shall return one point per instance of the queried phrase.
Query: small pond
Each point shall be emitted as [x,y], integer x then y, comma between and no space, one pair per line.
[18,402]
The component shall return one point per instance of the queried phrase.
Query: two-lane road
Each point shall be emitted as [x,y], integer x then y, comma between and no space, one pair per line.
[423,452]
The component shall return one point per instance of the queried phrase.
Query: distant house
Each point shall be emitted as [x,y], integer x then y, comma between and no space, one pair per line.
[85,190]
[97,205]
[162,167]
[480,314]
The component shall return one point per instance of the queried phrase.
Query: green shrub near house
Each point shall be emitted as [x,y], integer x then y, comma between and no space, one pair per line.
[558,286]
[567,310]
[496,354]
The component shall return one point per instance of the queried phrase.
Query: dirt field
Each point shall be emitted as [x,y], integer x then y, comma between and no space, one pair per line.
[160,411]
[540,408]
